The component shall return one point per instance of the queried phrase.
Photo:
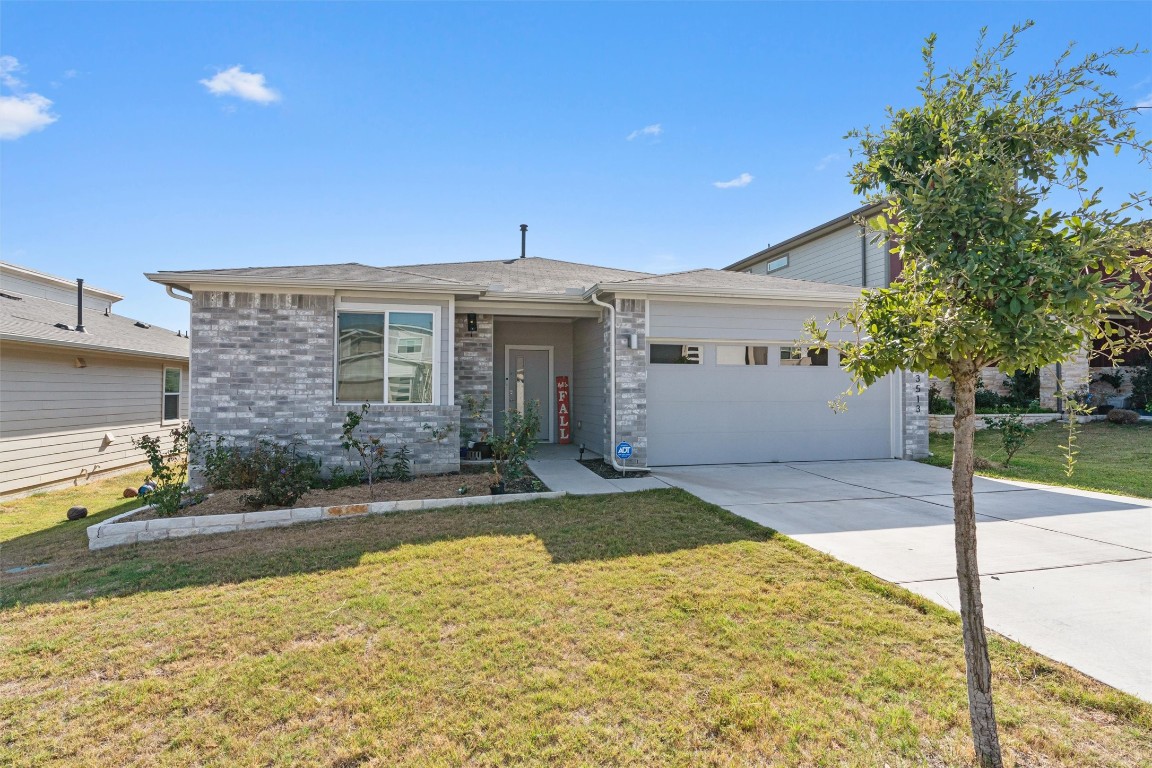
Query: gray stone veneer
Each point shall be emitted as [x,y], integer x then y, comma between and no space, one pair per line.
[915,402]
[474,370]
[631,379]
[263,364]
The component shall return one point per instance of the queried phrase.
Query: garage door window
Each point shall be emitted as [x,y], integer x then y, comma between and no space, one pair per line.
[803,356]
[674,354]
[730,354]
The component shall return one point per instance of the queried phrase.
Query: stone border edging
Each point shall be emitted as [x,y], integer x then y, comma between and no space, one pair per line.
[112,533]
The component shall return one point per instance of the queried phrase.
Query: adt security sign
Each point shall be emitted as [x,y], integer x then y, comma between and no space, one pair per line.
[624,451]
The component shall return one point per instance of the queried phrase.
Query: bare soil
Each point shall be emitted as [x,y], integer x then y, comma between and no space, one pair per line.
[470,482]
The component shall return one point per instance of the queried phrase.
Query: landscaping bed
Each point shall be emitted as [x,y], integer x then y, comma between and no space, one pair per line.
[608,472]
[471,481]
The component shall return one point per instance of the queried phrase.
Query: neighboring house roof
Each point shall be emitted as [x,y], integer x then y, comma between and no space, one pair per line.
[711,282]
[804,237]
[33,320]
[60,283]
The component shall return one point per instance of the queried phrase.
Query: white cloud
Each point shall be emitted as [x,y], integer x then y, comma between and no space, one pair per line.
[1145,102]
[742,180]
[652,131]
[826,161]
[20,113]
[234,81]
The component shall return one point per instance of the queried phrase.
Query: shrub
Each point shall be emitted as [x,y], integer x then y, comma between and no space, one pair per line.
[1123,416]
[340,477]
[937,403]
[986,399]
[1142,388]
[1023,389]
[401,468]
[369,448]
[518,443]
[225,465]
[282,474]
[1014,434]
[169,468]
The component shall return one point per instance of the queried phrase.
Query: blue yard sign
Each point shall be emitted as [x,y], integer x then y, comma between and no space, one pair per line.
[624,451]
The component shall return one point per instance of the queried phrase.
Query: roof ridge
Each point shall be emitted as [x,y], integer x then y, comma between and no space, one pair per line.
[649,275]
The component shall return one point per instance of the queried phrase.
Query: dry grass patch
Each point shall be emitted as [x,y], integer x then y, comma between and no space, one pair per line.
[649,629]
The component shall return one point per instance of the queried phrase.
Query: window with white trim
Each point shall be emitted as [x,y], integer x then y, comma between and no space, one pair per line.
[172,377]
[778,263]
[386,357]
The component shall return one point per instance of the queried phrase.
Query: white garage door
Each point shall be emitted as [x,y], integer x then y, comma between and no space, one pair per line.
[711,403]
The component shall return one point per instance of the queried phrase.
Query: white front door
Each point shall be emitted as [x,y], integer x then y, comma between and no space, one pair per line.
[528,371]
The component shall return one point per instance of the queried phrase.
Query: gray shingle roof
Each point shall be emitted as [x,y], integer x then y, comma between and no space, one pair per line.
[530,275]
[349,273]
[721,280]
[33,319]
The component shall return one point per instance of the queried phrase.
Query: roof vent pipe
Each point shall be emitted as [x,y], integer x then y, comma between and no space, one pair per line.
[80,305]
[523,241]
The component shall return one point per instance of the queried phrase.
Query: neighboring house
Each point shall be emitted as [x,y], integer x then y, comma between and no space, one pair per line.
[691,368]
[842,251]
[72,400]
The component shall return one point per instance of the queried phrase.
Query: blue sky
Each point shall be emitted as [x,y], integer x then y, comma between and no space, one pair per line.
[650,136]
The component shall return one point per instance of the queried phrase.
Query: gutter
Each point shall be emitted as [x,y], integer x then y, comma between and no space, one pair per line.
[838,297]
[611,382]
[181,281]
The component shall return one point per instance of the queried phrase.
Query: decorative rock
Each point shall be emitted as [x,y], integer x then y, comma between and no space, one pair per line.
[131,493]
[77,513]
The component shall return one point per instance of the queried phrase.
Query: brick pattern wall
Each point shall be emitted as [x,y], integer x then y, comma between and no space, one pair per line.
[474,370]
[263,364]
[631,379]
[915,406]
[1075,373]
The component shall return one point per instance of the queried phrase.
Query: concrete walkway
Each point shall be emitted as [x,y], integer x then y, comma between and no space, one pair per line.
[1065,572]
[558,468]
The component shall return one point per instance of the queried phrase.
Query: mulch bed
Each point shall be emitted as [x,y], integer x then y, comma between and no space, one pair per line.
[472,480]
[608,472]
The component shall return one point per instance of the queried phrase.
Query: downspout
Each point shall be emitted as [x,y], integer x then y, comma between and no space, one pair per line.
[863,256]
[168,288]
[1059,389]
[611,382]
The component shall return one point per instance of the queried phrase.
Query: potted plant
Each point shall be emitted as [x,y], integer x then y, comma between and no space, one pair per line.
[495,480]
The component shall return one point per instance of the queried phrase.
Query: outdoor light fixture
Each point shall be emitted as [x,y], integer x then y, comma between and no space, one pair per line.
[581,451]
[471,322]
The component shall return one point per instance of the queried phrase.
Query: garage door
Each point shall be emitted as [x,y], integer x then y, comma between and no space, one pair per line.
[712,403]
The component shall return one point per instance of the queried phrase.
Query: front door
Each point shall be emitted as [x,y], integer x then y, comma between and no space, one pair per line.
[529,377]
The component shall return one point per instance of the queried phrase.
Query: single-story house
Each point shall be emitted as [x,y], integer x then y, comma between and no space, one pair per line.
[696,367]
[78,382]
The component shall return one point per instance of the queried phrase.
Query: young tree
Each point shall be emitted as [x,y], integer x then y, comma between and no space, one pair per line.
[990,276]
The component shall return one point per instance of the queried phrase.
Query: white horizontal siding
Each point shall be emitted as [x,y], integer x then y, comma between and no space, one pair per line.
[66,296]
[54,416]
[832,258]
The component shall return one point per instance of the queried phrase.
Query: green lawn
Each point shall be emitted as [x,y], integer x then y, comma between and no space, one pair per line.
[1113,458]
[641,630]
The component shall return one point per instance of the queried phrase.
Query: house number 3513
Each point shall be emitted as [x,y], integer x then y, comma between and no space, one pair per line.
[918,389]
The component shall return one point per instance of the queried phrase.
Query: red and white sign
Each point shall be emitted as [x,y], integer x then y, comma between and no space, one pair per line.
[563,410]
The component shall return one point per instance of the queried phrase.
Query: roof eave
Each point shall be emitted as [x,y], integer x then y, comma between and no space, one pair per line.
[724,293]
[60,343]
[184,280]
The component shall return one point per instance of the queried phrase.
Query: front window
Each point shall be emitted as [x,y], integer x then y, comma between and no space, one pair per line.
[377,347]
[803,356]
[171,394]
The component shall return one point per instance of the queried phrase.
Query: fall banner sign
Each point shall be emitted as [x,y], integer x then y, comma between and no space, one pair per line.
[563,410]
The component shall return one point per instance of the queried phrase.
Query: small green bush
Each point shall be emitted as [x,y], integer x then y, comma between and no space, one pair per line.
[937,403]
[1142,388]
[1023,389]
[169,468]
[282,474]
[1014,434]
[1123,416]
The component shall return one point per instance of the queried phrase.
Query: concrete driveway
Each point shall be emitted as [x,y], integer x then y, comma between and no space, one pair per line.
[1066,572]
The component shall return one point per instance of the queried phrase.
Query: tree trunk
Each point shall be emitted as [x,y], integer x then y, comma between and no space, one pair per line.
[984,736]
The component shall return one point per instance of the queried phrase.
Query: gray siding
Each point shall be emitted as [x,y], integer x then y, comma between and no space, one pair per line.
[54,416]
[534,332]
[588,361]
[833,258]
[27,287]
[707,414]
